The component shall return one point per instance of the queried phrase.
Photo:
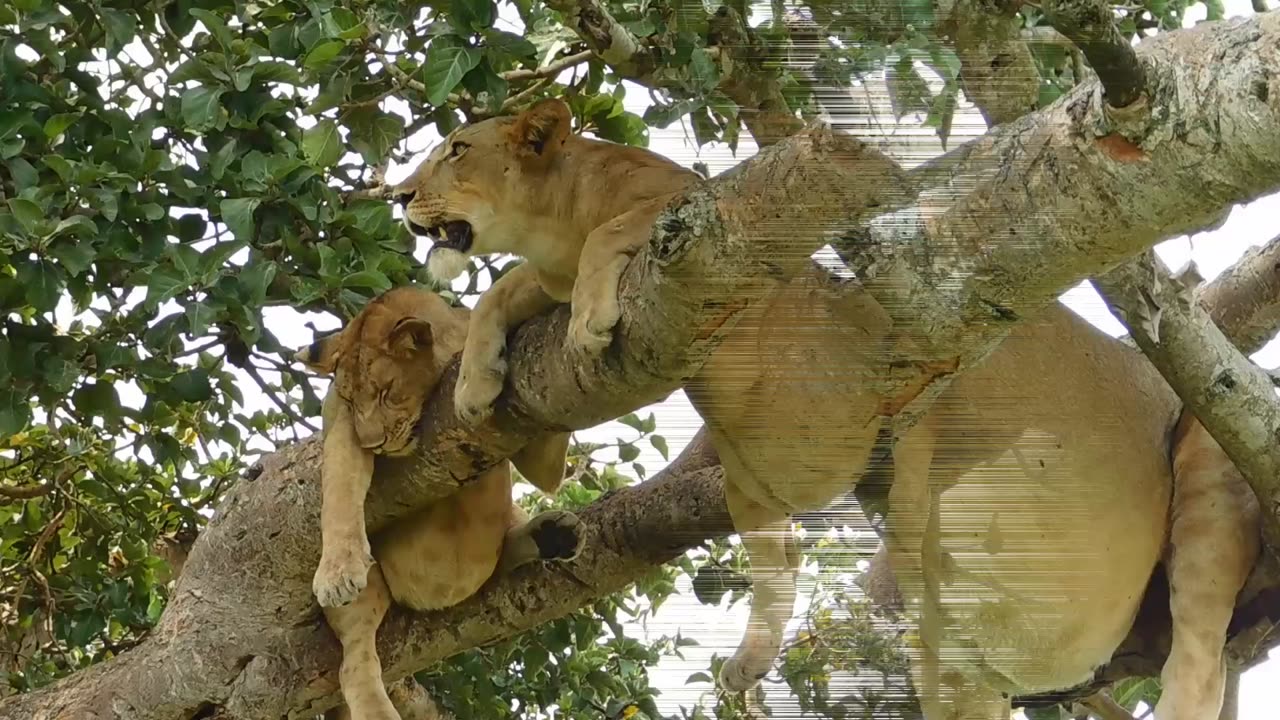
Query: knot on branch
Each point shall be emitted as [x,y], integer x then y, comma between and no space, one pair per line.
[682,223]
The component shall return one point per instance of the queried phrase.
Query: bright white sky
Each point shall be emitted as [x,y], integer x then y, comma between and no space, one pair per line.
[719,629]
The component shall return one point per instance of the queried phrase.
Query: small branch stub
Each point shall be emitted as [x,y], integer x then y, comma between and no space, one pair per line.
[1090,25]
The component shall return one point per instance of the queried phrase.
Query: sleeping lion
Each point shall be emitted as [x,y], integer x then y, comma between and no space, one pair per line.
[385,364]
[1028,508]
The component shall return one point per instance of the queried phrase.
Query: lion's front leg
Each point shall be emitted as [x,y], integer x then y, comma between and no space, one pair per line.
[345,472]
[605,256]
[356,626]
[514,298]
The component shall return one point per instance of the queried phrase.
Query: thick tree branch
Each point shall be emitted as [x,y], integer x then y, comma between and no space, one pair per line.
[1233,398]
[1245,299]
[1036,200]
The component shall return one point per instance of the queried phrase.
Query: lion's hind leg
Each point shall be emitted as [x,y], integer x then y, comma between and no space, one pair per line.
[1213,544]
[552,535]
[356,626]
[774,560]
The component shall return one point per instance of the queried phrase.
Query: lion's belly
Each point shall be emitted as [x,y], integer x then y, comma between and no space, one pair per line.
[441,556]
[1053,542]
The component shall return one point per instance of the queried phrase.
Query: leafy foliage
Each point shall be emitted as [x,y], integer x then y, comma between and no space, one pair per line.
[174,174]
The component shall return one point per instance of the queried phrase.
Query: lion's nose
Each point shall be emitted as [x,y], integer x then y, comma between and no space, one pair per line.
[403,197]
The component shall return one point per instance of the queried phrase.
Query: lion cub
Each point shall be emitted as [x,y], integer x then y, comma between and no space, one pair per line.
[386,362]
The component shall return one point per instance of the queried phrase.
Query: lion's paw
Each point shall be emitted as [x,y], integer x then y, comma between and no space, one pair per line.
[474,395]
[737,677]
[588,336]
[342,575]
[558,535]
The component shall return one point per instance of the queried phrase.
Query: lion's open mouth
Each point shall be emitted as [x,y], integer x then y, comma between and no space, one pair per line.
[452,235]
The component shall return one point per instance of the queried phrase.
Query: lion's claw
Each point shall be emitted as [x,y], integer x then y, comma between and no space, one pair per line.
[473,398]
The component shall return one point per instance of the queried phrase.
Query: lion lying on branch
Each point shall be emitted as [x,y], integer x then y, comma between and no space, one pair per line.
[1028,508]
[385,364]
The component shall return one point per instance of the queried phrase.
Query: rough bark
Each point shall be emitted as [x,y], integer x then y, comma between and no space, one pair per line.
[242,637]
[1245,299]
[1037,199]
[997,71]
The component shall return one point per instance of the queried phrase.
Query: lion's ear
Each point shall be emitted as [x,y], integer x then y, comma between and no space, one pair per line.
[410,335]
[542,129]
[321,356]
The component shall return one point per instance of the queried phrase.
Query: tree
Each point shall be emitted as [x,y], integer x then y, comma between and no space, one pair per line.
[172,172]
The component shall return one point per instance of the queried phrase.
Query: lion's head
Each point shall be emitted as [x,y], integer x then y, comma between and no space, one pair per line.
[475,193]
[386,362]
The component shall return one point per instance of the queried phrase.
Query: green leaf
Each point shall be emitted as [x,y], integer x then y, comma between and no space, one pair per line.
[220,160]
[276,71]
[192,386]
[164,283]
[444,70]
[199,317]
[510,44]
[703,72]
[698,677]
[471,15]
[120,27]
[76,226]
[255,279]
[632,420]
[374,133]
[27,213]
[76,257]
[216,25]
[659,443]
[200,107]
[908,92]
[56,125]
[15,411]
[371,279]
[213,259]
[237,213]
[321,54]
[322,144]
[943,111]
[24,173]
[42,282]
[483,83]
[627,451]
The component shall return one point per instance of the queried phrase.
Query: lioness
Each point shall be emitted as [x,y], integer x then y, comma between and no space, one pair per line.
[386,362]
[1055,453]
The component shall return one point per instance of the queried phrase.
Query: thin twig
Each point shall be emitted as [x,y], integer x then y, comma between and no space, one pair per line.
[550,70]
[284,407]
[1101,705]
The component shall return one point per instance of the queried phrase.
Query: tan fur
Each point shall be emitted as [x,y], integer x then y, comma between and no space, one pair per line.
[1032,502]
[386,362]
